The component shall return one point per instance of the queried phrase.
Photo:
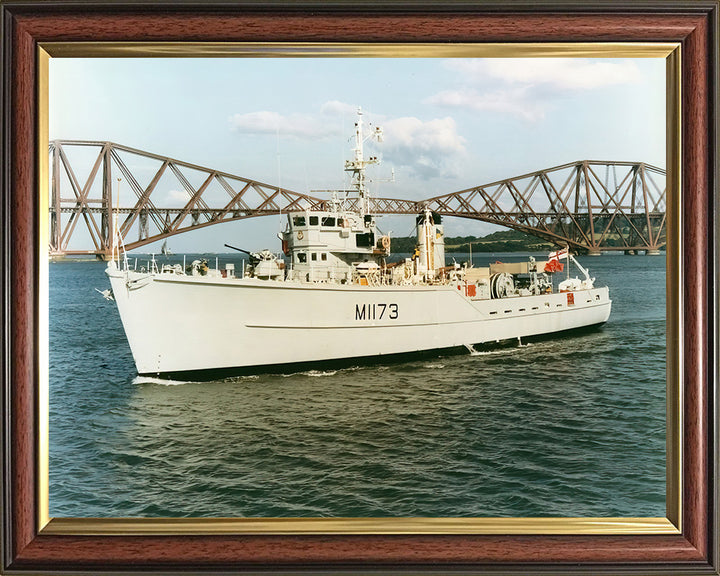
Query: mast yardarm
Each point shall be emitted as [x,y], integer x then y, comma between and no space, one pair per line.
[357,165]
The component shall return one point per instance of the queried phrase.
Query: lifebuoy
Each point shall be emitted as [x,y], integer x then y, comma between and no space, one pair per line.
[300,235]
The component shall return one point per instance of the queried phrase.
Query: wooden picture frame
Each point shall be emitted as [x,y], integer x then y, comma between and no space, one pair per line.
[31,545]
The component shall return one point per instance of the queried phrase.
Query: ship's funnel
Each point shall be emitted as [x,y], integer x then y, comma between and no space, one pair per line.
[431,244]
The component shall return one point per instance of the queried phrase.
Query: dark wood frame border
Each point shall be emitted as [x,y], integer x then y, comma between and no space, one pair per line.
[26,24]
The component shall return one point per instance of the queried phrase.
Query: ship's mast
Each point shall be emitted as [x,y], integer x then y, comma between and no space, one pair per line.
[357,165]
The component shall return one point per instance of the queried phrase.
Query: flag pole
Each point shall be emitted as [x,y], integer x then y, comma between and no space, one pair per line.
[568,260]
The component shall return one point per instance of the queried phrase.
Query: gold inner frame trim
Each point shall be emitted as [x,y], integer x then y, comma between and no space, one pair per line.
[354,50]
[43,275]
[295,526]
[673,291]
[292,526]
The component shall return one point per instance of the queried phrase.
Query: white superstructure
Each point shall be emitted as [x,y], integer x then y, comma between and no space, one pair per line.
[335,296]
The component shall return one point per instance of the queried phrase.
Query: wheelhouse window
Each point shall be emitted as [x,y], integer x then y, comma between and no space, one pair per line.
[340,222]
[301,257]
[323,256]
[366,240]
[328,221]
[299,221]
[313,220]
[314,256]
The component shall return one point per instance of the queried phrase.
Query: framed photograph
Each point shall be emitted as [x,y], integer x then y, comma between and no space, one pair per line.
[621,478]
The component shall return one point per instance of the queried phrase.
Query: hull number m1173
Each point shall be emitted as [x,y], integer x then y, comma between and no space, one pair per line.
[376,311]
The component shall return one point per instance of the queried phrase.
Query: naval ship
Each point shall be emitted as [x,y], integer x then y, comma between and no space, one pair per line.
[334,295]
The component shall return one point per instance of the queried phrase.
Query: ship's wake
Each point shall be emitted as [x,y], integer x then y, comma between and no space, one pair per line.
[499,351]
[312,373]
[139,380]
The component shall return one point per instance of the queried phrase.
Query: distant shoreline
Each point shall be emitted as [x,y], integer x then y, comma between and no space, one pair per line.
[503,241]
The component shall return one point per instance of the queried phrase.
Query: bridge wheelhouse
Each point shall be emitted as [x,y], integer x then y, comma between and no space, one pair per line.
[329,246]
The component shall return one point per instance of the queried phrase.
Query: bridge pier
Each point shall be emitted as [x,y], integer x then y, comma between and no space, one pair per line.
[630,253]
[652,252]
[594,252]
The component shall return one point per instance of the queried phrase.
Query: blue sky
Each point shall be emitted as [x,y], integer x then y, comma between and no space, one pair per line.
[449,124]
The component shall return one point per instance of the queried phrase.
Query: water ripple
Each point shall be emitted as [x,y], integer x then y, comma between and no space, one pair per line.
[570,426]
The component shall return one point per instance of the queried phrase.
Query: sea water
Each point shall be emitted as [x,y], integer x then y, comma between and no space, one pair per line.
[572,425]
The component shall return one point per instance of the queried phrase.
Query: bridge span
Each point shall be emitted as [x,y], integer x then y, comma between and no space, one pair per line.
[592,206]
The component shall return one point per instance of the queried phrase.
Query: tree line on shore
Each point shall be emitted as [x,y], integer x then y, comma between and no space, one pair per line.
[502,241]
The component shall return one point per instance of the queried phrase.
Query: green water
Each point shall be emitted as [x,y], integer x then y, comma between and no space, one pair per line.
[571,426]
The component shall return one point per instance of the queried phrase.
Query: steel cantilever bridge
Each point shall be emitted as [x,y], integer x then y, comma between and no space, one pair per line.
[591,206]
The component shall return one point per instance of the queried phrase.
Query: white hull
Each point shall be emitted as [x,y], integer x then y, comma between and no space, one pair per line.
[178,323]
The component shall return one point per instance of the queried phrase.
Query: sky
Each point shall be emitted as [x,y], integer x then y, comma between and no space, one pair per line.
[448,124]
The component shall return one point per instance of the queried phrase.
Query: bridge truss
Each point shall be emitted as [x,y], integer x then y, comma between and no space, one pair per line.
[153,196]
[591,206]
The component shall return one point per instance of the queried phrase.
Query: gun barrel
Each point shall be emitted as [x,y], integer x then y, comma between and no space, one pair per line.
[238,249]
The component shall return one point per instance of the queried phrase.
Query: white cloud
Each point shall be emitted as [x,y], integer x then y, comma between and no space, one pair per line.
[559,73]
[176,196]
[337,108]
[512,101]
[525,87]
[430,148]
[295,125]
[301,126]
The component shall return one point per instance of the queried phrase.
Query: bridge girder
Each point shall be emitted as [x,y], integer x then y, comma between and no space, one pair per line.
[239,197]
[574,204]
